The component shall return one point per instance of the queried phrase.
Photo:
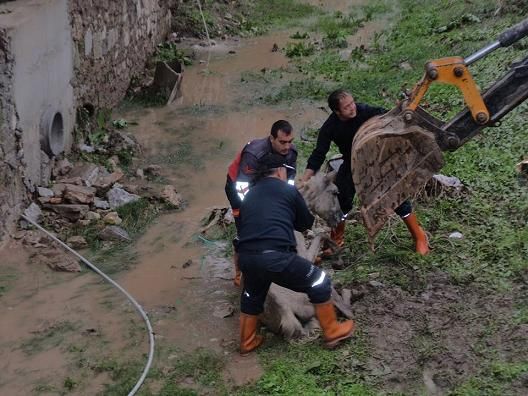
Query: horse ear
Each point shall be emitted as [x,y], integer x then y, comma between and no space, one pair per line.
[330,177]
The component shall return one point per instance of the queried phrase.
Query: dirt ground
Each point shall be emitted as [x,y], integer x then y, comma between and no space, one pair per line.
[54,324]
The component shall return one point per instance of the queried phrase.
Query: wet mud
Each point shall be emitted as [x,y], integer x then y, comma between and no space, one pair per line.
[437,336]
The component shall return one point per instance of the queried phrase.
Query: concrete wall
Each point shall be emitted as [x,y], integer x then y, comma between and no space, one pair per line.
[43,71]
[37,65]
[112,42]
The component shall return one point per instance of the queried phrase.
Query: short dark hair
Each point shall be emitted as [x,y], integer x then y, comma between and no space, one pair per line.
[335,97]
[268,164]
[281,125]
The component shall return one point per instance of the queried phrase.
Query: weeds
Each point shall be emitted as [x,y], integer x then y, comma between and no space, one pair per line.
[48,338]
[8,276]
[299,49]
[168,52]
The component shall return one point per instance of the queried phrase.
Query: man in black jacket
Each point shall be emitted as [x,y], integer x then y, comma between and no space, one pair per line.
[340,127]
[269,214]
[241,171]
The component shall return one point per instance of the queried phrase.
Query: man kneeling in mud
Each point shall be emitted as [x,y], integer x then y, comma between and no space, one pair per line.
[269,214]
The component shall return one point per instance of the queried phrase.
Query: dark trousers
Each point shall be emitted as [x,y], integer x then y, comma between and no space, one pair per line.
[347,191]
[285,269]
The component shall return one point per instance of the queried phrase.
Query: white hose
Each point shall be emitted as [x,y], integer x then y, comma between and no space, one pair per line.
[206,32]
[116,285]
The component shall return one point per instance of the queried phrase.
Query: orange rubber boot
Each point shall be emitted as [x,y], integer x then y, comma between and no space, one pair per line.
[418,234]
[249,340]
[337,234]
[334,331]
[238,274]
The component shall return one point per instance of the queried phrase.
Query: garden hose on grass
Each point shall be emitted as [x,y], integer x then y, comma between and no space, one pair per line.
[127,295]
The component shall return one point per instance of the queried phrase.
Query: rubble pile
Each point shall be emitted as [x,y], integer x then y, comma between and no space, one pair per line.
[84,198]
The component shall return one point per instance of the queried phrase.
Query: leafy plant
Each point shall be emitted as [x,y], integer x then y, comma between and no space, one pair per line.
[299,49]
[168,52]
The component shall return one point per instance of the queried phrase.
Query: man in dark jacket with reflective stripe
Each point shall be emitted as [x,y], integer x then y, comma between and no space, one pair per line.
[340,127]
[241,171]
[269,214]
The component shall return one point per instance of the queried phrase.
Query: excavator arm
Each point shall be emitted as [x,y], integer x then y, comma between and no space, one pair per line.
[394,155]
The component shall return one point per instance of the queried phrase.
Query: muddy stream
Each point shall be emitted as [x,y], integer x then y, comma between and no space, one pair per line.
[180,279]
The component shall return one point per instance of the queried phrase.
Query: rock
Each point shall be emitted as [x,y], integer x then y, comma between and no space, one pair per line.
[449,181]
[57,260]
[131,188]
[55,200]
[112,218]
[153,170]
[114,233]
[79,194]
[224,310]
[118,197]
[71,212]
[406,66]
[522,167]
[140,173]
[71,180]
[43,200]
[101,204]
[46,165]
[103,183]
[456,235]
[62,167]
[170,196]
[121,141]
[33,212]
[84,222]
[87,172]
[76,242]
[113,163]
[92,216]
[58,189]
[45,192]
[86,149]
[375,284]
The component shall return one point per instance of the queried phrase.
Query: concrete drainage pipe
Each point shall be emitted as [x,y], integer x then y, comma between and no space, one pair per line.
[52,133]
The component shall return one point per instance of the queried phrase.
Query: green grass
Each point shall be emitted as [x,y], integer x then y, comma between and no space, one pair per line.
[494,379]
[491,215]
[112,257]
[308,369]
[8,276]
[48,338]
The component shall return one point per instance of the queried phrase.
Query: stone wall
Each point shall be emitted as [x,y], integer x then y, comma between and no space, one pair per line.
[12,192]
[112,42]
[56,56]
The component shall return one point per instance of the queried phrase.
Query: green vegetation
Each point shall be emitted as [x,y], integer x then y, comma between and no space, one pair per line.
[494,379]
[309,369]
[241,18]
[168,52]
[118,256]
[8,276]
[48,338]
[491,214]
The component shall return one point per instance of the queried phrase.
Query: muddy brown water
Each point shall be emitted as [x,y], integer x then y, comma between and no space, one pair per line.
[194,140]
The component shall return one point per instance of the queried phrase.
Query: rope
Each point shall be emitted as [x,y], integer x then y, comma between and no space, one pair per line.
[116,285]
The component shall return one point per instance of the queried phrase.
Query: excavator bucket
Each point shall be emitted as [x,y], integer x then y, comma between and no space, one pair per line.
[391,160]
